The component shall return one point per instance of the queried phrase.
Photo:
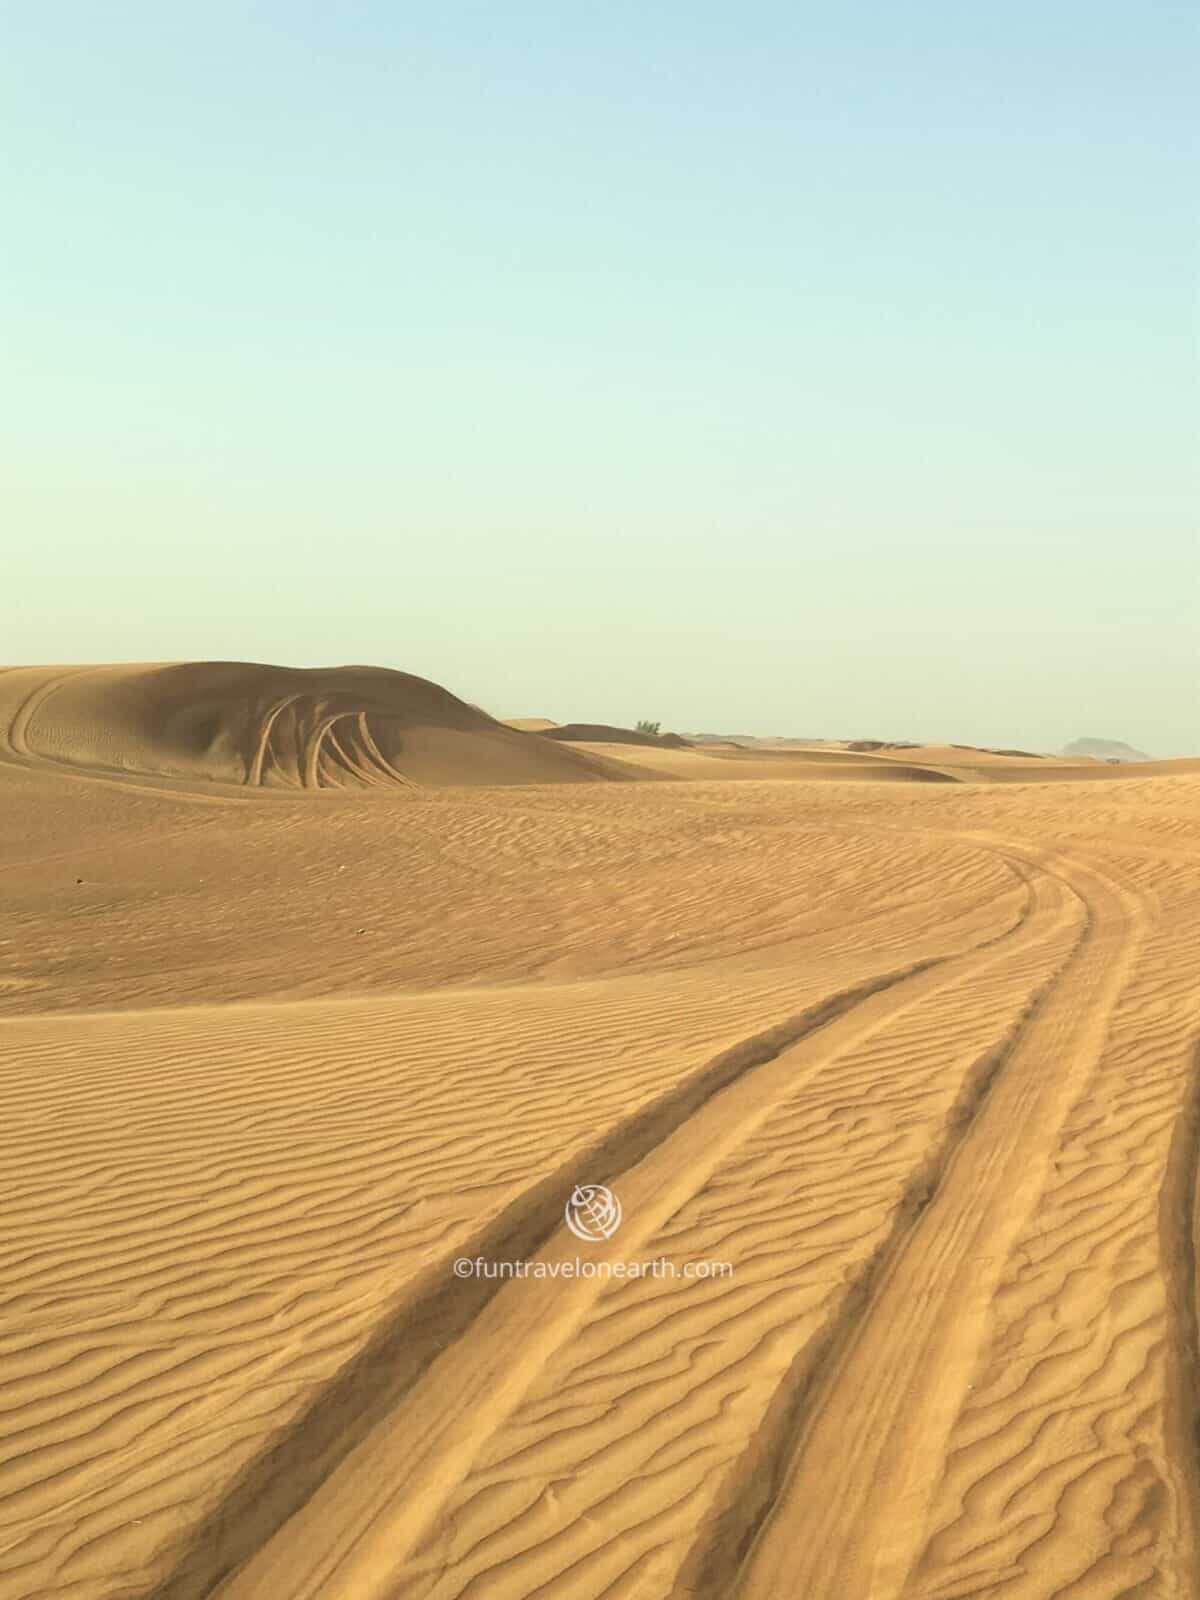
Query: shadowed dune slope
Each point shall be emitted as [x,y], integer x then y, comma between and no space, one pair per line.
[242,723]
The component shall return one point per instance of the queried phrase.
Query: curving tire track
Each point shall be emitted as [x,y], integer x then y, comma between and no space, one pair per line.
[869,1445]
[444,1320]
[351,1535]
[16,735]
[1072,1468]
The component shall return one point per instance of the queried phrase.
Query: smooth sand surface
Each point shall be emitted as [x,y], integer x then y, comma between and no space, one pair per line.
[912,1050]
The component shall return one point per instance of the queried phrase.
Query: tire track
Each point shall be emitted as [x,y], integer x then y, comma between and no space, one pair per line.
[375,755]
[16,750]
[658,1399]
[1179,1216]
[1071,1467]
[858,1463]
[711,1569]
[17,733]
[370,1510]
[438,1309]
[262,752]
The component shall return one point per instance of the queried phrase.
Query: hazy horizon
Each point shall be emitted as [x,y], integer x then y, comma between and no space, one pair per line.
[770,371]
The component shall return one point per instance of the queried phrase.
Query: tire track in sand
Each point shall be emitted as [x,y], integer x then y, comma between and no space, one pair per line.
[634,1428]
[1179,1211]
[368,1402]
[863,1461]
[16,736]
[1072,1467]
[350,1536]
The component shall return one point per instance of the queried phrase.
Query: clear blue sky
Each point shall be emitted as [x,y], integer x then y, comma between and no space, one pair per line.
[770,367]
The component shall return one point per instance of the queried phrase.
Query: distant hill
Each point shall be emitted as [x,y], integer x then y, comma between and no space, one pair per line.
[1104,750]
[601,733]
[882,744]
[749,740]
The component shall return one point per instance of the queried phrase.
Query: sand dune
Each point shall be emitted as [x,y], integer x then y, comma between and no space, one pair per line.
[603,733]
[917,1061]
[241,723]
[716,761]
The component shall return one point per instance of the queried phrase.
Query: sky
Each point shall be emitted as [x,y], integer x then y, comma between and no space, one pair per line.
[768,367]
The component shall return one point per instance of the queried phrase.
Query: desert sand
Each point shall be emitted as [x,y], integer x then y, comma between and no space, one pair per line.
[315,983]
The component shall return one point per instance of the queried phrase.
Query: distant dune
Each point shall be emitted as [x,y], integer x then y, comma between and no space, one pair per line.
[1105,750]
[752,740]
[729,763]
[243,723]
[530,724]
[884,744]
[601,733]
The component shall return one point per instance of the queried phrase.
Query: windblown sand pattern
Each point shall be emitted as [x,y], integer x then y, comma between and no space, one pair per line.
[293,1014]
